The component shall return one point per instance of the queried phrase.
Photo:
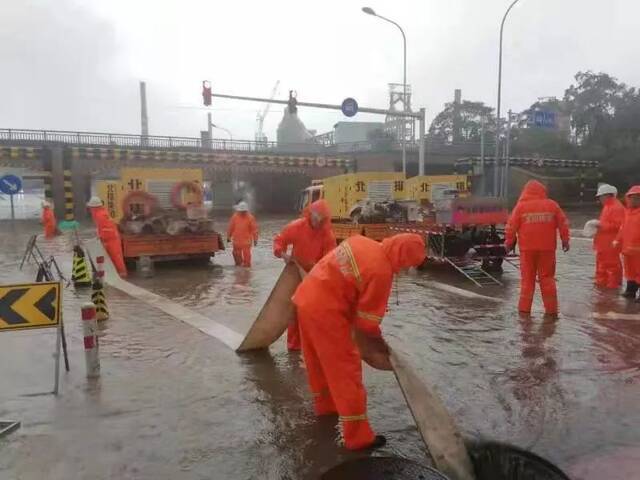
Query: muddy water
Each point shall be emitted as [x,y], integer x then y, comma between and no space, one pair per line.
[174,403]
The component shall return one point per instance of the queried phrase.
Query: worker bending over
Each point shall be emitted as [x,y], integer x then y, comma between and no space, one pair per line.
[49,222]
[345,296]
[108,234]
[629,240]
[608,263]
[535,221]
[311,239]
[243,232]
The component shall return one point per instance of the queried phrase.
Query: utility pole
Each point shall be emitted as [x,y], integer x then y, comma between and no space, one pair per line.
[507,155]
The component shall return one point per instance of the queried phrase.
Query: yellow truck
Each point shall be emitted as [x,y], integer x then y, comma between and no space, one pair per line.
[125,199]
[348,194]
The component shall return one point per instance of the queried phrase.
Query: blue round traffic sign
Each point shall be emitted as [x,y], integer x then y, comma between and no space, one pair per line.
[10,184]
[349,107]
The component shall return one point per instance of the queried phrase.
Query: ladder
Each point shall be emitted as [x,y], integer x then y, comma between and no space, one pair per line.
[473,272]
[513,260]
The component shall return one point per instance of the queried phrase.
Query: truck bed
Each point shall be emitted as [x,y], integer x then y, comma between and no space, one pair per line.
[171,246]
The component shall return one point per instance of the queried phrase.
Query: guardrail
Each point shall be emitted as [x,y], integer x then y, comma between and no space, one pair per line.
[318,145]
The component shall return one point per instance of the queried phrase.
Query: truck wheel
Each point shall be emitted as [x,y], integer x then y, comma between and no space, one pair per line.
[492,265]
[144,265]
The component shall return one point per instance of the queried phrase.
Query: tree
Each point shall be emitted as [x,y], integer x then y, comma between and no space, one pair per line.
[592,102]
[463,122]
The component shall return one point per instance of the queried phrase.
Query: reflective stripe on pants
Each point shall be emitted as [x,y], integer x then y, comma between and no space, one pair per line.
[333,363]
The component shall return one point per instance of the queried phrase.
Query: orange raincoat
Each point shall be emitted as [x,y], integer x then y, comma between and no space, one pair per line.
[243,232]
[629,239]
[49,222]
[349,288]
[110,237]
[608,264]
[535,221]
[309,246]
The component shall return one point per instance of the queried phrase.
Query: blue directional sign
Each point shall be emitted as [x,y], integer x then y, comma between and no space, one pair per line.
[10,184]
[543,119]
[349,107]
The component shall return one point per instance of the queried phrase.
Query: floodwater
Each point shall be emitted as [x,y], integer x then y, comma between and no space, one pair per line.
[174,403]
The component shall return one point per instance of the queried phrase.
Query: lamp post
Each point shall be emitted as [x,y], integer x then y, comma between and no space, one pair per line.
[496,182]
[370,11]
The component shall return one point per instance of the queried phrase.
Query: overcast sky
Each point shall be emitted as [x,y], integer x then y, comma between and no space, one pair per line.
[75,64]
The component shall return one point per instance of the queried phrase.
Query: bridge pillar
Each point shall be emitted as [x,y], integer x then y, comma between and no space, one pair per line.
[80,186]
[57,180]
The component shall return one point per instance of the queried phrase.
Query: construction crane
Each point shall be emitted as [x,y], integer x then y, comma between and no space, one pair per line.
[260,136]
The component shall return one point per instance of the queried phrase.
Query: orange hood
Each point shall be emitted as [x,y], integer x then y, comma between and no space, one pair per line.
[320,207]
[635,190]
[404,250]
[533,190]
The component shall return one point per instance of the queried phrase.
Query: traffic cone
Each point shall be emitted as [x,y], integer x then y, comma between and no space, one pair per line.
[80,272]
[100,301]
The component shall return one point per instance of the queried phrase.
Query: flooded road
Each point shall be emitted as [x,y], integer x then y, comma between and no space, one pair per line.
[175,403]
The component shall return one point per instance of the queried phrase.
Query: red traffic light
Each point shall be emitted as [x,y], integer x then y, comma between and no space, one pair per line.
[206,92]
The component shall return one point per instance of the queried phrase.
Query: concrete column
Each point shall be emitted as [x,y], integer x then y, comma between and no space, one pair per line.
[57,180]
[81,186]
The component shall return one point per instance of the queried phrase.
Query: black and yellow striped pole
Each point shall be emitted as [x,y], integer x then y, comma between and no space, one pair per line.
[69,222]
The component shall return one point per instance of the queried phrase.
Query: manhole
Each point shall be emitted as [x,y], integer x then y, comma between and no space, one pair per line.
[7,427]
[500,461]
[382,468]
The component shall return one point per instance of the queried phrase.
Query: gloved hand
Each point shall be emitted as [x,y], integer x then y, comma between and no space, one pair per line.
[615,244]
[285,257]
[565,246]
[508,247]
[373,350]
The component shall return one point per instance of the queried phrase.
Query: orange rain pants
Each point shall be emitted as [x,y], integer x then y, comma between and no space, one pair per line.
[629,238]
[608,264]
[49,223]
[541,265]
[349,288]
[536,221]
[243,232]
[110,237]
[309,245]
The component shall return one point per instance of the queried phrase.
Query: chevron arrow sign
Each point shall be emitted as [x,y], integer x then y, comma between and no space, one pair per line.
[29,305]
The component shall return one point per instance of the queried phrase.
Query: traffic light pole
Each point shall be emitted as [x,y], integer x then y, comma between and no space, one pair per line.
[419,115]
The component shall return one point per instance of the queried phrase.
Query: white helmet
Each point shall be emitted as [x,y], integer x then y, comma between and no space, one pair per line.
[45,204]
[242,207]
[606,189]
[94,202]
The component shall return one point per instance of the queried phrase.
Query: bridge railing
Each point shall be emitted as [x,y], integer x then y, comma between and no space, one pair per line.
[321,146]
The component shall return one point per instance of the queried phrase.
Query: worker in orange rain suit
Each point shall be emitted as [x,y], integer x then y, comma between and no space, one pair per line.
[243,231]
[49,221]
[345,296]
[535,221]
[108,234]
[629,239]
[312,238]
[608,264]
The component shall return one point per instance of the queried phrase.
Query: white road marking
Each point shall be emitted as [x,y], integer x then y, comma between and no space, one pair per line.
[459,291]
[229,337]
[617,316]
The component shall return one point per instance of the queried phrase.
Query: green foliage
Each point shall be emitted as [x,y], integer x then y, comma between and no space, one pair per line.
[463,123]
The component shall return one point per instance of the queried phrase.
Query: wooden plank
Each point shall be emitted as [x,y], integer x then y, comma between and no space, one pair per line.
[437,428]
[277,312]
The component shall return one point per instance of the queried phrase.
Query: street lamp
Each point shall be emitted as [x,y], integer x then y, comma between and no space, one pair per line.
[370,11]
[223,129]
[496,189]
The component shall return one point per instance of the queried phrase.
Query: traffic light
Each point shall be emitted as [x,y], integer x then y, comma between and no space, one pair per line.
[206,93]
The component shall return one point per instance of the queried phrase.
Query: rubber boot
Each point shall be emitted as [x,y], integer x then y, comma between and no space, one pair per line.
[632,289]
[378,442]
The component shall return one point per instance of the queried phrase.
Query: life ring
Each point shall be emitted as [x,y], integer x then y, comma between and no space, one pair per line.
[139,197]
[176,193]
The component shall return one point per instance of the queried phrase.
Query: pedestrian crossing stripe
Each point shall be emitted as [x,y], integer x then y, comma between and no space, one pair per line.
[29,305]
